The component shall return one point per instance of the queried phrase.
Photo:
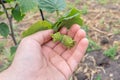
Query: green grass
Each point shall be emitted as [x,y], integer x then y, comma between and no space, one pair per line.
[92,45]
[86,28]
[84,10]
[111,52]
[116,31]
[5,54]
[115,1]
[103,2]
[98,77]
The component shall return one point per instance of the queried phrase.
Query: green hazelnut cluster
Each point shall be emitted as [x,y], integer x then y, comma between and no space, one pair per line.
[64,39]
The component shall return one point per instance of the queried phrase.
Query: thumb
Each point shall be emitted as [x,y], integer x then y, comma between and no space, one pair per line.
[42,36]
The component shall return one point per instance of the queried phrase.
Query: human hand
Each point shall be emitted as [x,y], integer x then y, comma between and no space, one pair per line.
[39,58]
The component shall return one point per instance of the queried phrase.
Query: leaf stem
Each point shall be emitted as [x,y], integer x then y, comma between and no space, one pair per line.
[10,23]
[42,15]
[57,12]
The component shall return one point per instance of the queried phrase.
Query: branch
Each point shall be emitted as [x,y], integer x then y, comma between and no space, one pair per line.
[42,15]
[10,22]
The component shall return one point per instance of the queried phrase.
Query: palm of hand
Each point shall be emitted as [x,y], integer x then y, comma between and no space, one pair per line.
[51,61]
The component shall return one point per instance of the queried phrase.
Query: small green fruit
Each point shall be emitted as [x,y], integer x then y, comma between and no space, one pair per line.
[57,37]
[64,39]
[68,41]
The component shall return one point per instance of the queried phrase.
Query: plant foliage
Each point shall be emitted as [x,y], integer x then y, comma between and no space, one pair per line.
[16,13]
[52,5]
[20,9]
[4,29]
[111,52]
[38,26]
[27,5]
[67,20]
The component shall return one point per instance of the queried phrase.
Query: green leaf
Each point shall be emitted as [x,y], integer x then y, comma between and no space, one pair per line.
[1,12]
[27,5]
[70,18]
[38,26]
[8,1]
[70,22]
[13,50]
[52,5]
[16,13]
[4,29]
[72,13]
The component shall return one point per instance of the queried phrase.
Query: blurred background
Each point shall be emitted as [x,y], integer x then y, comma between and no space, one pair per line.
[102,24]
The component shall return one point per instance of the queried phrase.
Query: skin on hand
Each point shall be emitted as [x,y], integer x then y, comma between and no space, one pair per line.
[39,58]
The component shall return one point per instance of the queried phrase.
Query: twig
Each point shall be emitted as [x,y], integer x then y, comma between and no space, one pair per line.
[98,15]
[42,15]
[10,22]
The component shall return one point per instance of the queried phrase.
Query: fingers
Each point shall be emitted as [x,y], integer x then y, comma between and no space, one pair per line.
[63,30]
[77,55]
[73,30]
[78,36]
[42,36]
[60,48]
[57,61]
[67,54]
[61,65]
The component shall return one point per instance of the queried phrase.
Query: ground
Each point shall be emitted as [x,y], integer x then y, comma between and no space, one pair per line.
[102,19]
